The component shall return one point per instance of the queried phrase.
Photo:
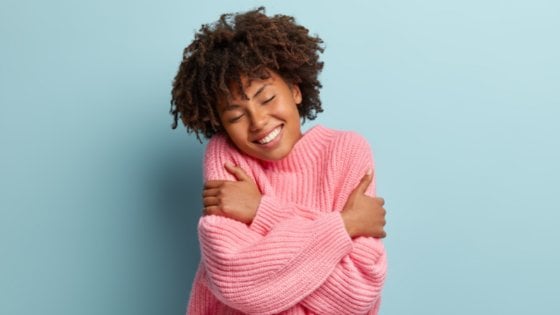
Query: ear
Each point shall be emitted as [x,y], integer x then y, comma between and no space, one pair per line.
[296,93]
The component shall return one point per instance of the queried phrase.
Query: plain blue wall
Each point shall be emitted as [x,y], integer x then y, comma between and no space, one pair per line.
[99,198]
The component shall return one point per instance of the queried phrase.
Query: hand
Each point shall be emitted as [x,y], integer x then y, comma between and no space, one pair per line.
[236,200]
[364,215]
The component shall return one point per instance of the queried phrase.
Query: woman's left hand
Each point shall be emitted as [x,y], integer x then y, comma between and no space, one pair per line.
[236,200]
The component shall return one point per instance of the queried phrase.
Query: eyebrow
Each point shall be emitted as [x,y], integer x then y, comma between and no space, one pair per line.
[234,106]
[260,89]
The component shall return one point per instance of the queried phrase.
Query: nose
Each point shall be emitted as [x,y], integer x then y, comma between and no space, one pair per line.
[259,118]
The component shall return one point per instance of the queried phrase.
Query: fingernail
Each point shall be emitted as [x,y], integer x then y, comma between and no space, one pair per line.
[369,172]
[229,164]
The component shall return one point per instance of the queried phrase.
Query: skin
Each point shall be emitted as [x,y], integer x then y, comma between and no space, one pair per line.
[271,106]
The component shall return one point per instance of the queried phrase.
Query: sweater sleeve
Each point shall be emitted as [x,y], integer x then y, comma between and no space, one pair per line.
[268,274]
[354,286]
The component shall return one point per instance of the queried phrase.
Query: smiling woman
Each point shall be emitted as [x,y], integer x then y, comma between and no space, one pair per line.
[291,224]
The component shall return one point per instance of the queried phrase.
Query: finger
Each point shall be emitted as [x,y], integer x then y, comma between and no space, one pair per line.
[214,184]
[210,192]
[380,200]
[364,182]
[379,233]
[237,171]
[211,201]
[211,211]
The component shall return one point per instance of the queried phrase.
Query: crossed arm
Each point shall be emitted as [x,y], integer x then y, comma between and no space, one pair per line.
[239,200]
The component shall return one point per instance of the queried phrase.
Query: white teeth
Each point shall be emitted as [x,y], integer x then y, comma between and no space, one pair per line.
[273,134]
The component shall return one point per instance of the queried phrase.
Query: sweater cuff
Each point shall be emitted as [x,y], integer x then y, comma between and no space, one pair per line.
[268,214]
[340,231]
[333,241]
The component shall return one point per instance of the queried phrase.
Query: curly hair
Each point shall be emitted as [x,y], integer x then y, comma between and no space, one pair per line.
[244,44]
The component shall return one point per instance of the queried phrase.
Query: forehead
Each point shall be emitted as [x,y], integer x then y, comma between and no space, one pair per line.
[246,87]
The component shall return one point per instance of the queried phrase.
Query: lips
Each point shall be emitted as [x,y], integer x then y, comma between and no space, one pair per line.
[270,136]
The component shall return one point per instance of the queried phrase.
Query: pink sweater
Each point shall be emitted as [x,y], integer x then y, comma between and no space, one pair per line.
[296,256]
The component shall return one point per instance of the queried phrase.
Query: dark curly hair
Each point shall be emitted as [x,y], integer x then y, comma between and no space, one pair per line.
[244,44]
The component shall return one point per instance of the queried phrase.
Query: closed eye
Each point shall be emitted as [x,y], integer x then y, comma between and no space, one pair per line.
[235,119]
[268,100]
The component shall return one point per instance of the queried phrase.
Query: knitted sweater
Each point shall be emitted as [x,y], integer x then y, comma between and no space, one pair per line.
[296,256]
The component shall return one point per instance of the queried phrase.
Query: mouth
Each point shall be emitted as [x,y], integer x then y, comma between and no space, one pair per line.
[270,136]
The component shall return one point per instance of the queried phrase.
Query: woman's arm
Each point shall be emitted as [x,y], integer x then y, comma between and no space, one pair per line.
[355,284]
[269,274]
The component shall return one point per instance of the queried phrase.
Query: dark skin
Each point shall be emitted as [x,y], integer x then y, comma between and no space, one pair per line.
[362,215]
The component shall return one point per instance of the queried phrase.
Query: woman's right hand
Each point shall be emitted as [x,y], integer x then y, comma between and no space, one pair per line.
[237,200]
[364,215]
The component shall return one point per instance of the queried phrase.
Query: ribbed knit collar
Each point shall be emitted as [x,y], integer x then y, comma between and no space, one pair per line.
[305,152]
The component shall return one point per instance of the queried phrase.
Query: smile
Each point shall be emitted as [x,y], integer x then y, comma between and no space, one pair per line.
[271,136]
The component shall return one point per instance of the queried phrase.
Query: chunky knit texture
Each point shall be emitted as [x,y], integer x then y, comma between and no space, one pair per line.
[296,256]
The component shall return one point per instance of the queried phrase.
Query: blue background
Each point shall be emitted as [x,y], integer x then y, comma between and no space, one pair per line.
[460,101]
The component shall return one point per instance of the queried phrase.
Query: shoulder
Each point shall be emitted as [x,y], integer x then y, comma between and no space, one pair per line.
[351,152]
[350,142]
[350,157]
[219,147]
[218,143]
[342,145]
[334,139]
[220,150]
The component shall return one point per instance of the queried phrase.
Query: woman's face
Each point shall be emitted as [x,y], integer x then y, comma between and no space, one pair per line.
[266,124]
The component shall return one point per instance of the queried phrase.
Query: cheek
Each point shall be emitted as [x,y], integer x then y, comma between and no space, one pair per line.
[233,132]
[286,108]
[291,111]
[237,134]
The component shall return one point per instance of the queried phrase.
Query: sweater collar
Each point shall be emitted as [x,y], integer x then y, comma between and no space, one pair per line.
[305,152]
